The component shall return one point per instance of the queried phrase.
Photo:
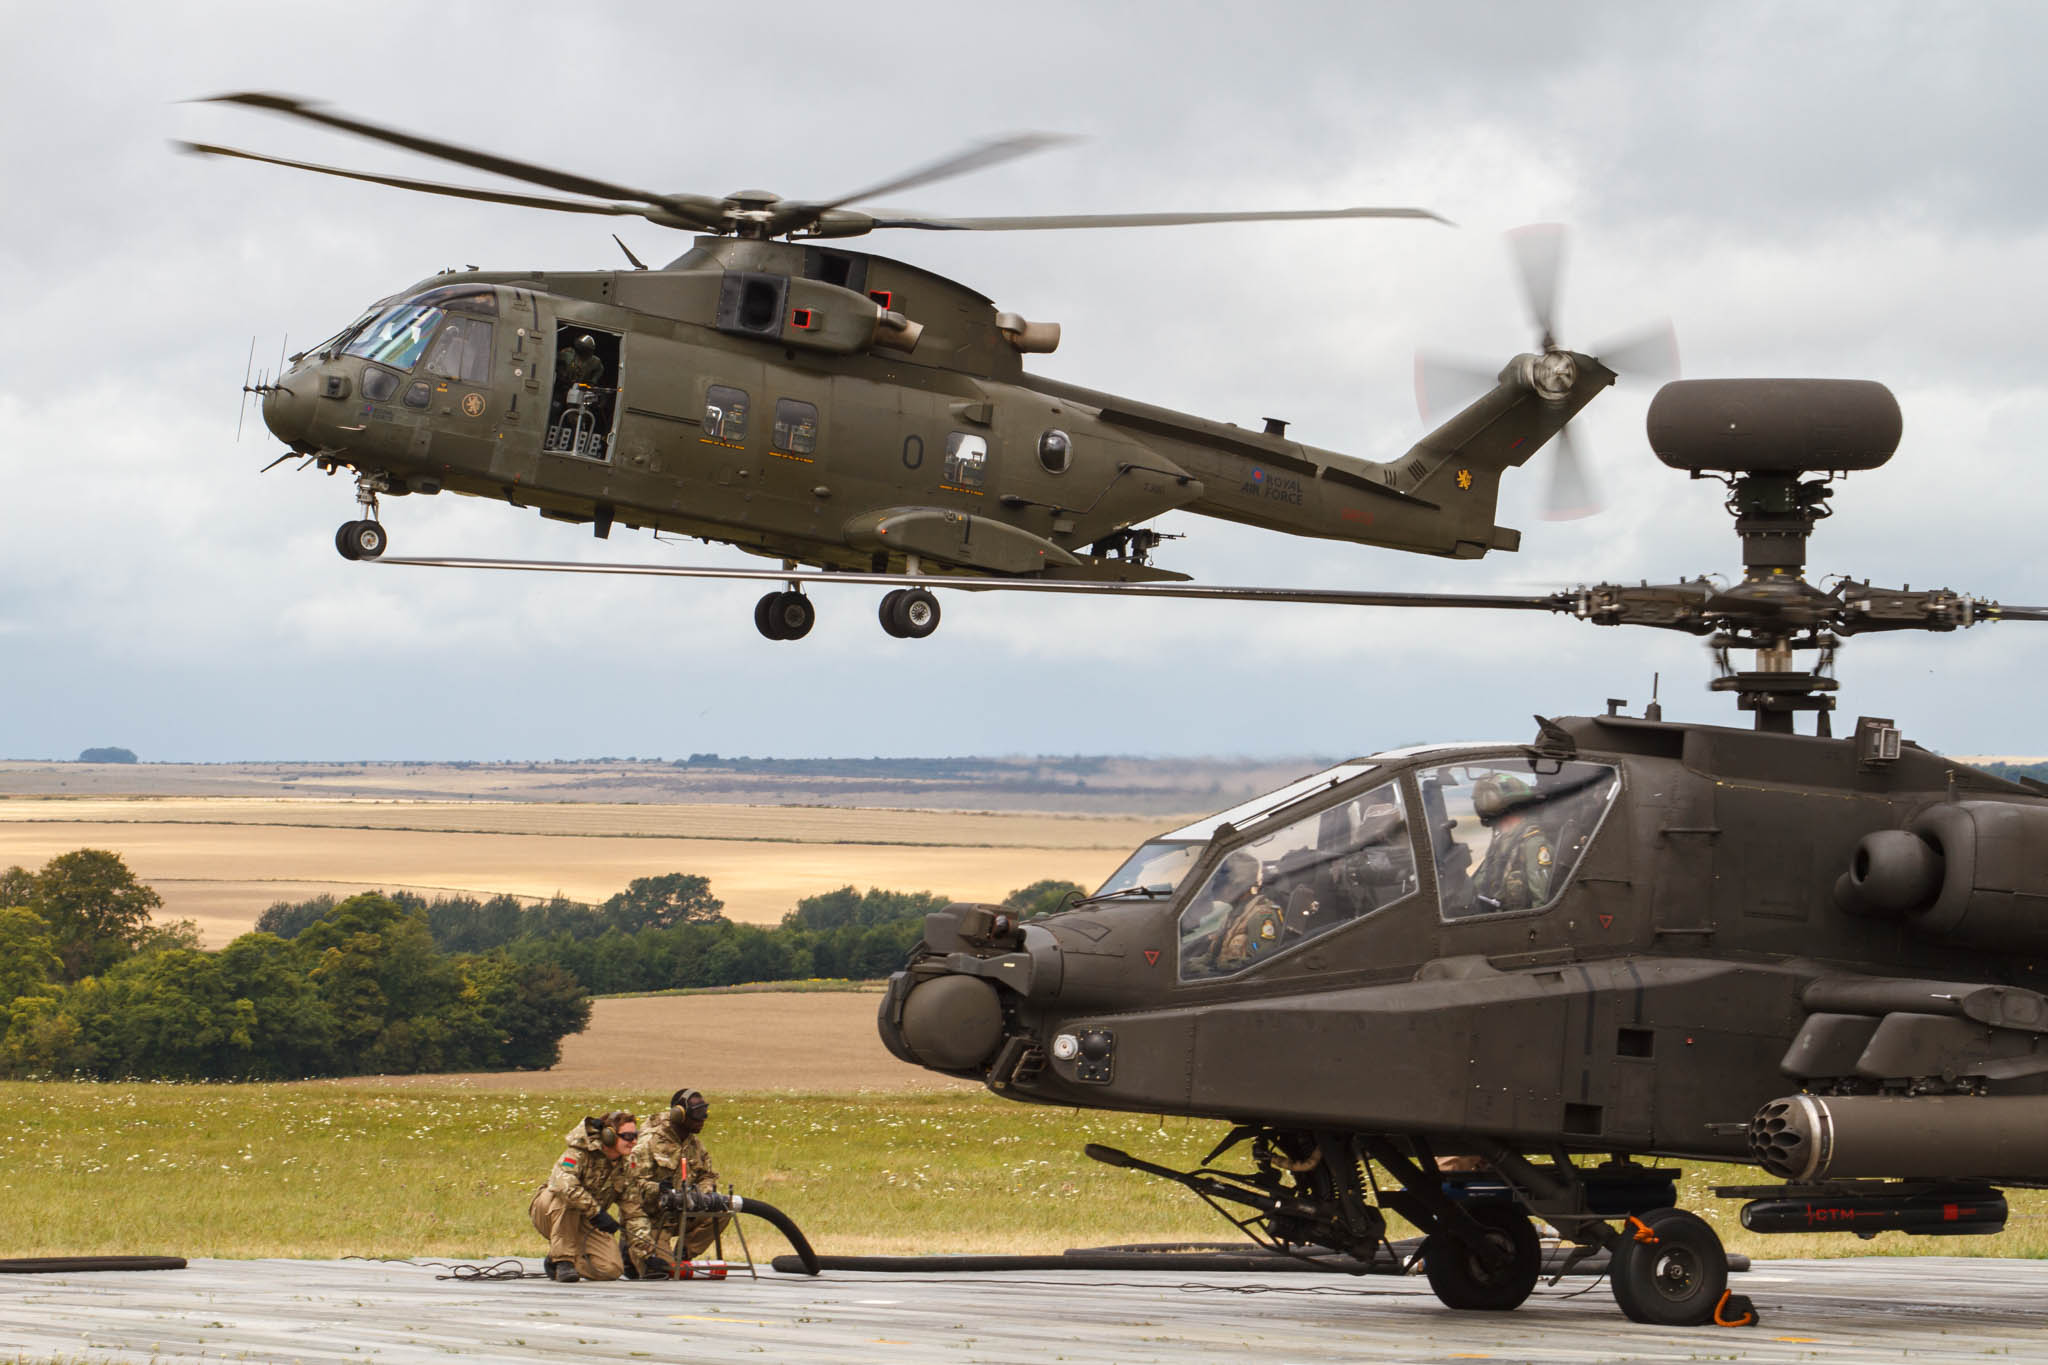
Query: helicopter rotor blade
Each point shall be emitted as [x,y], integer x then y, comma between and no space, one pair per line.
[1556,602]
[530,201]
[1571,495]
[2001,612]
[1447,383]
[696,209]
[242,414]
[795,216]
[1064,221]
[1539,261]
[1649,353]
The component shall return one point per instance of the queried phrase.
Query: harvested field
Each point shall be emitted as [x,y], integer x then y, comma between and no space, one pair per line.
[220,862]
[722,1042]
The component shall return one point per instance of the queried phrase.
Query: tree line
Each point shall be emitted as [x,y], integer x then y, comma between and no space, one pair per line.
[670,932]
[89,986]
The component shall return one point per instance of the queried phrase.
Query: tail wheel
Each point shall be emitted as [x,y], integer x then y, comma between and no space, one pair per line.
[888,612]
[916,613]
[1670,1270]
[1462,1280]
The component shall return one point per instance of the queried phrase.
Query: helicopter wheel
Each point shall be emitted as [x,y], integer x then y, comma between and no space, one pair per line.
[1675,1280]
[360,539]
[914,615]
[1460,1281]
[888,612]
[785,615]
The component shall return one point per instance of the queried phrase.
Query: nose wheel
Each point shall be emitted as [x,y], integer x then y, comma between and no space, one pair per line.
[910,613]
[360,539]
[785,615]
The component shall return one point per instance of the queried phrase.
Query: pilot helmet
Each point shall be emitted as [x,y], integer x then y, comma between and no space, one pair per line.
[1495,794]
[586,343]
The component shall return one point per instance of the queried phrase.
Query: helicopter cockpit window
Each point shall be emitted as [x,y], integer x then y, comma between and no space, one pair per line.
[1507,832]
[396,336]
[462,350]
[1304,879]
[1155,869]
[966,460]
[462,298]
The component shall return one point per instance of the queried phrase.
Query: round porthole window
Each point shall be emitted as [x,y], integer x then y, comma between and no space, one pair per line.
[1055,451]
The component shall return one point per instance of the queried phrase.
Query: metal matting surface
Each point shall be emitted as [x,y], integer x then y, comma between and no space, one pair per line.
[1920,1308]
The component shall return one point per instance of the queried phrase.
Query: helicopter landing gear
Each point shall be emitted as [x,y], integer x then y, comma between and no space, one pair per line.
[365,538]
[785,615]
[360,539]
[1461,1279]
[910,613]
[1669,1270]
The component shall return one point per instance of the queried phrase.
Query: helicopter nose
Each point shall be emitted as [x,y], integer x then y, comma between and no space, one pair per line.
[288,408]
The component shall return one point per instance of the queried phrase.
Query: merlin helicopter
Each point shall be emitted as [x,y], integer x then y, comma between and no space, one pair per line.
[1479,985]
[868,419]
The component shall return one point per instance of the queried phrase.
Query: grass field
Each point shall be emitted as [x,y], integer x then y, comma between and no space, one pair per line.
[366,1170]
[220,862]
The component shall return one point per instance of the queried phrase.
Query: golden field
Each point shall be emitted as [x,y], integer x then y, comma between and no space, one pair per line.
[221,861]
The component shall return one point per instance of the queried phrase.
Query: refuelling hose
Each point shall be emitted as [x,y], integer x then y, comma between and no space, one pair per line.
[782,1223]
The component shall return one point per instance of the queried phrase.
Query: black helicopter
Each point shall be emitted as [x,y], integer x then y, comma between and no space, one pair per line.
[1480,985]
[830,408]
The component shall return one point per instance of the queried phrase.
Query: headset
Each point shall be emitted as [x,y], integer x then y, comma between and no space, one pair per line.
[687,1105]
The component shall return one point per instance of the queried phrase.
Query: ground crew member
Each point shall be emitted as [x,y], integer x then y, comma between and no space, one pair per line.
[669,1161]
[570,1210]
[1515,874]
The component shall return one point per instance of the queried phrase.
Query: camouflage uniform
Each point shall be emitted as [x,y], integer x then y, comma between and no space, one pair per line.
[1515,874]
[666,1156]
[583,1184]
[574,367]
[1251,930]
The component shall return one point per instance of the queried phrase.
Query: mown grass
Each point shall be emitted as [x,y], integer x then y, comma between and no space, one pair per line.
[321,1170]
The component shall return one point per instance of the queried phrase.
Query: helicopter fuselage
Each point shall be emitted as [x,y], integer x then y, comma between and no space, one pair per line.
[1660,986]
[844,410]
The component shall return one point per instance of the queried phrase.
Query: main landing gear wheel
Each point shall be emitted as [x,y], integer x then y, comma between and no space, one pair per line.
[910,613]
[1462,1280]
[360,539]
[785,615]
[1670,1269]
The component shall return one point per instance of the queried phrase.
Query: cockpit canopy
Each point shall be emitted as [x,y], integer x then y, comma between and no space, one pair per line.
[396,335]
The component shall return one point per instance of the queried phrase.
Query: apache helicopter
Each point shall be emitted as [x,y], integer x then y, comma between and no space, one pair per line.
[1480,984]
[850,412]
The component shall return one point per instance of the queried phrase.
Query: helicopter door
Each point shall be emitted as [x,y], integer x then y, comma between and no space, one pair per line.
[583,404]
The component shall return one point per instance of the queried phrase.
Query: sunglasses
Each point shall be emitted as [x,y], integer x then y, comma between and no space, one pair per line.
[629,1135]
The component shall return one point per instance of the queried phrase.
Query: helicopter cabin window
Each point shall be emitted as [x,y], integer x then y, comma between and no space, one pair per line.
[583,401]
[796,428]
[462,350]
[1508,832]
[396,336]
[966,460]
[725,414]
[378,384]
[1302,880]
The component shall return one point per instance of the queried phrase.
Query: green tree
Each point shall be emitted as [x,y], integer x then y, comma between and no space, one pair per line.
[848,907]
[1043,897]
[529,1007]
[662,902]
[28,953]
[94,906]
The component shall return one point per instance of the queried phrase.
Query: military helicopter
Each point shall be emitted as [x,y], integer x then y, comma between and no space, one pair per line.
[1480,984]
[845,411]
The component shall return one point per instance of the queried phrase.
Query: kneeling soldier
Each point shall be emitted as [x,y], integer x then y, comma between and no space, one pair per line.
[668,1165]
[570,1210]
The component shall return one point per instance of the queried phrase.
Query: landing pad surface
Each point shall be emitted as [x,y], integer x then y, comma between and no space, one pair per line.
[1923,1309]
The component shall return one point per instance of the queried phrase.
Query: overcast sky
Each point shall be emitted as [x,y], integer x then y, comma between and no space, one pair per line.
[1853,190]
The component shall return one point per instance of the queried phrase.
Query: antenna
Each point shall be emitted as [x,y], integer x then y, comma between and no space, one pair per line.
[1655,710]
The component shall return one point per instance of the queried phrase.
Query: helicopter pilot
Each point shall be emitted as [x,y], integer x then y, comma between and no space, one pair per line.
[1520,864]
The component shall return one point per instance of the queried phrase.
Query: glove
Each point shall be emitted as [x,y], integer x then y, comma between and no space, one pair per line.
[657,1267]
[604,1222]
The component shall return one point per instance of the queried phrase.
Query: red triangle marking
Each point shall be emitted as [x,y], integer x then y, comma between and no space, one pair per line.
[1151,957]
[1607,921]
